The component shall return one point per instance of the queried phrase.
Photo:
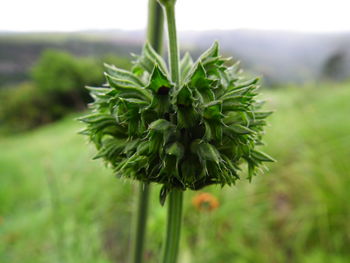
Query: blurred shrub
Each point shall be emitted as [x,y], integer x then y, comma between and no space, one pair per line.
[336,66]
[24,107]
[57,88]
[64,77]
[120,62]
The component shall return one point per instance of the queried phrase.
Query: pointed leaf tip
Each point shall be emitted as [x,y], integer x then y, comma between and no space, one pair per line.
[261,156]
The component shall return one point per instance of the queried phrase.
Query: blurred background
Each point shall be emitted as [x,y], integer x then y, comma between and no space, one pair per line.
[57,205]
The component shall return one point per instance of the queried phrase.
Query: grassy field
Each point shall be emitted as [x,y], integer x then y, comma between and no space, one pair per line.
[57,205]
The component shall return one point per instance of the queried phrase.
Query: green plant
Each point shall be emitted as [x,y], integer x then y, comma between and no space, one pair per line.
[184,130]
[186,136]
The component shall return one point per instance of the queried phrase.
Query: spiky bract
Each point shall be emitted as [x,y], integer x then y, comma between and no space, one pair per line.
[186,136]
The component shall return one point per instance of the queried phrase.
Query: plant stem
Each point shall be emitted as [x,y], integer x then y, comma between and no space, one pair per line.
[172,42]
[175,198]
[155,25]
[155,38]
[173,227]
[141,220]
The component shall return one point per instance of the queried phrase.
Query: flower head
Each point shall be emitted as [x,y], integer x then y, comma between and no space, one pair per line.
[187,136]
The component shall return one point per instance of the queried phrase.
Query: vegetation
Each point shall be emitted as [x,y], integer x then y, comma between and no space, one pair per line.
[57,205]
[57,87]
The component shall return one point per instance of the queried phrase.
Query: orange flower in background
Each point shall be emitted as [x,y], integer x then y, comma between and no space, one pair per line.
[205,202]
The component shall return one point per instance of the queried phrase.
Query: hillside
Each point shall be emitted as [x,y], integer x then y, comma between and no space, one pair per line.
[279,56]
[19,52]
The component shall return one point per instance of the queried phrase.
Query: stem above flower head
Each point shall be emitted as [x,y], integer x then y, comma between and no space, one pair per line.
[169,7]
[167,2]
[155,25]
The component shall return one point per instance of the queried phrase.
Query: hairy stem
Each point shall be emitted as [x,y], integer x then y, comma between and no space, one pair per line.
[155,28]
[173,227]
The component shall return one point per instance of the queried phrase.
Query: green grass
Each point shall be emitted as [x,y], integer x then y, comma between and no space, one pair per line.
[57,205]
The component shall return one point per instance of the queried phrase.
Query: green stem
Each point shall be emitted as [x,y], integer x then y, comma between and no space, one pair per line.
[155,38]
[155,25]
[141,220]
[173,227]
[175,198]
[172,42]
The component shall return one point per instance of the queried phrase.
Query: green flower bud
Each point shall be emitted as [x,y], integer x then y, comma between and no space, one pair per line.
[187,136]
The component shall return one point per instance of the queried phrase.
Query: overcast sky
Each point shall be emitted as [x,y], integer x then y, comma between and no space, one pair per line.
[71,15]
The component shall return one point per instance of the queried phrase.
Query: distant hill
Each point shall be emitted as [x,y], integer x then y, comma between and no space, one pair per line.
[279,56]
[18,52]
